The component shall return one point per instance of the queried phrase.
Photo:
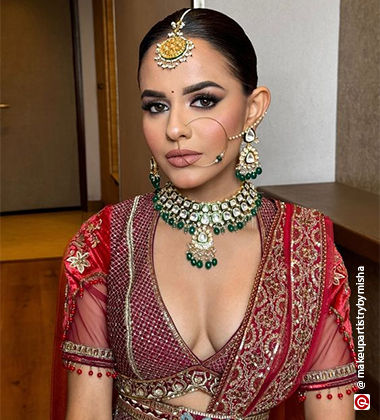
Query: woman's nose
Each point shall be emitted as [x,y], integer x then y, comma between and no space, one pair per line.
[177,128]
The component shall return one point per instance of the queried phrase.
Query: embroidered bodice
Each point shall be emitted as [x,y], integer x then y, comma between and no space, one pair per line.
[116,319]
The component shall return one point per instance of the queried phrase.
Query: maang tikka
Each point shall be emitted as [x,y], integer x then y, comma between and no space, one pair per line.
[176,48]
[248,166]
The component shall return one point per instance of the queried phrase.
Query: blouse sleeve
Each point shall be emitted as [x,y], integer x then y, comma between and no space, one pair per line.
[334,360]
[86,265]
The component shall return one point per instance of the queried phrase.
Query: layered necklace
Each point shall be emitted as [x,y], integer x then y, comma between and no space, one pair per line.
[202,220]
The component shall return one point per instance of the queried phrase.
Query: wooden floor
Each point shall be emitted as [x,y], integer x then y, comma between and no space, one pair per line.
[31,251]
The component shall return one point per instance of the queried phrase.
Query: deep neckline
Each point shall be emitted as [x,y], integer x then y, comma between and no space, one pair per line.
[154,282]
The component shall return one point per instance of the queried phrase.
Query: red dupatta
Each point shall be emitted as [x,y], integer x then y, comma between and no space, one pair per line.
[289,309]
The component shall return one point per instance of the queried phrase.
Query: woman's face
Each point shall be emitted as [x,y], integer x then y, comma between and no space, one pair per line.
[173,102]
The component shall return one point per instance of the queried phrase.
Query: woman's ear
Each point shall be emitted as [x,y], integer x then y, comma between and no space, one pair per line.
[257,104]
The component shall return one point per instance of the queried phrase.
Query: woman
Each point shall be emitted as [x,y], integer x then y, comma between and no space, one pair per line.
[204,299]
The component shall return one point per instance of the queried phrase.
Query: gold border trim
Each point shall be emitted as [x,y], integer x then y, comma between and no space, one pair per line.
[131,271]
[329,374]
[82,350]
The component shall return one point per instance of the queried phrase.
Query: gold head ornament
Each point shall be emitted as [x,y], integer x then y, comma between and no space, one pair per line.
[176,48]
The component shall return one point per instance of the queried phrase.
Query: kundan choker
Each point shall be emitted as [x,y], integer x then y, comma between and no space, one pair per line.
[203,220]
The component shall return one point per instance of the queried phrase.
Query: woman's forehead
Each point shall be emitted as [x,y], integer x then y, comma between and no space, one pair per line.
[206,63]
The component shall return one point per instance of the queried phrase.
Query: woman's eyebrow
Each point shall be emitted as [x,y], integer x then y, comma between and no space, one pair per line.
[186,90]
[199,86]
[152,93]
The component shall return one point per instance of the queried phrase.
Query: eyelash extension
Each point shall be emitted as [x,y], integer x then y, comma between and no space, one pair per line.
[148,106]
[207,96]
[212,98]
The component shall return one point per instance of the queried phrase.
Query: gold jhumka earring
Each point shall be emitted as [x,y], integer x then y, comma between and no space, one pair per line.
[174,50]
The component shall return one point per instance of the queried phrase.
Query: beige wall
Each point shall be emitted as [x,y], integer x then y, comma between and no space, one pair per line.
[358,120]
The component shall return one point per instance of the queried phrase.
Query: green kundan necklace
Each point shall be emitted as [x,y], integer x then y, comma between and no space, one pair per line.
[203,220]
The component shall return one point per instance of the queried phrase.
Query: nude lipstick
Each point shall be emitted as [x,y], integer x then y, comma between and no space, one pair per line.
[182,158]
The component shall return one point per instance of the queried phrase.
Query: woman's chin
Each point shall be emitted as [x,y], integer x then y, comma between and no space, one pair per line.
[188,181]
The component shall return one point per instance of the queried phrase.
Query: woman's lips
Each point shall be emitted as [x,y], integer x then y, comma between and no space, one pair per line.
[182,158]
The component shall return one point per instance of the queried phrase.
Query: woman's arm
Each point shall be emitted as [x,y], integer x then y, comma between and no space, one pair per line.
[325,409]
[89,397]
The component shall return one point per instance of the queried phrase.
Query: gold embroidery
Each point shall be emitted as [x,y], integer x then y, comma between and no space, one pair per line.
[249,366]
[329,374]
[131,268]
[87,351]
[307,286]
[79,261]
[340,271]
[78,255]
[148,411]
[182,383]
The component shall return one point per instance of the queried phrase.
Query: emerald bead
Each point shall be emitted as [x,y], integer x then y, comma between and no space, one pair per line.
[240,225]
[171,222]
[253,212]
[248,176]
[259,195]
[199,264]
[165,216]
[259,170]
[193,261]
[237,173]
[231,228]
[253,175]
[241,177]
[208,265]
[214,262]
[258,202]
[157,206]
[192,230]
[216,231]
[155,198]
[180,225]
[189,256]
[219,158]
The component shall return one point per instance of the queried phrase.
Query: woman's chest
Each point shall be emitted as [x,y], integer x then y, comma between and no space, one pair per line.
[206,306]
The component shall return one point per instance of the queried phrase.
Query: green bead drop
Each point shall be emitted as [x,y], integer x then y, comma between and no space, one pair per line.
[259,170]
[214,262]
[231,228]
[189,256]
[171,222]
[253,175]
[193,262]
[157,206]
[240,225]
[208,265]
[180,225]
[192,230]
[216,231]
[155,198]
[253,212]
[199,264]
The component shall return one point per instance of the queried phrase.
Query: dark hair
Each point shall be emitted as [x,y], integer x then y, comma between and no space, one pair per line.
[222,32]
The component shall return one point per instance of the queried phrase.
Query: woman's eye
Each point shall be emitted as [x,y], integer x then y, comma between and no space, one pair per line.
[155,108]
[204,102]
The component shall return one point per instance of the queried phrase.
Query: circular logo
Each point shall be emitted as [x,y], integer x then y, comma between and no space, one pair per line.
[361,402]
